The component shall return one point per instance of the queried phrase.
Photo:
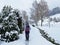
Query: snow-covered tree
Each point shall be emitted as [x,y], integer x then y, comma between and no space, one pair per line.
[10,26]
[25,17]
[34,12]
[0,18]
[43,10]
[39,11]
[19,19]
[1,23]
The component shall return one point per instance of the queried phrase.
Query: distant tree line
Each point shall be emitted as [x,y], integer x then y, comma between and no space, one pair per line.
[54,11]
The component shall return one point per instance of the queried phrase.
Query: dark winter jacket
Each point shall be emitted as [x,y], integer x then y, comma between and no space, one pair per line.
[27,27]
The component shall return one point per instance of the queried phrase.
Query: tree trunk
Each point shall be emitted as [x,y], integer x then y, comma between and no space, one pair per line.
[41,20]
[36,24]
[49,22]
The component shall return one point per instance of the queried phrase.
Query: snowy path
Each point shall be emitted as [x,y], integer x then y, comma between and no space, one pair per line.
[0,42]
[35,39]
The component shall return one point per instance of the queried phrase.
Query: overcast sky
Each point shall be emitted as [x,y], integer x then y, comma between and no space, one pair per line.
[53,3]
[26,4]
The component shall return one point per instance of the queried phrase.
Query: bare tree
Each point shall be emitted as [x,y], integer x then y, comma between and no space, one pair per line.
[25,16]
[43,10]
[34,12]
[39,10]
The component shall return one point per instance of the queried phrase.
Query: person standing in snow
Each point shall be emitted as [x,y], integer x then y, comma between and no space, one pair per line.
[27,31]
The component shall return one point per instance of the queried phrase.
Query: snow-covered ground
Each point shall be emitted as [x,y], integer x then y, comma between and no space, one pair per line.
[53,30]
[35,39]
[56,15]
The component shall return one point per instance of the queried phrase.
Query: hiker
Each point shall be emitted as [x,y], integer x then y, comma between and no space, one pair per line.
[27,31]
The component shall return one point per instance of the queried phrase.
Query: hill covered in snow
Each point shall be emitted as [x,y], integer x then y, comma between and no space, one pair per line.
[54,29]
[56,15]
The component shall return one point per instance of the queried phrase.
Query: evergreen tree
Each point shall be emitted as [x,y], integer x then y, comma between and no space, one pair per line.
[10,27]
[19,19]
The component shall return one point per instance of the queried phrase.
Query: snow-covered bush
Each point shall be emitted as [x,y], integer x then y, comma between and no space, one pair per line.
[1,18]
[55,19]
[51,40]
[14,35]
[46,36]
[10,28]
[19,19]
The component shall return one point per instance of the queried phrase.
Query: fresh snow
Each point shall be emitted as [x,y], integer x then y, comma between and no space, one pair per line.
[6,18]
[35,39]
[53,30]
[0,25]
[55,16]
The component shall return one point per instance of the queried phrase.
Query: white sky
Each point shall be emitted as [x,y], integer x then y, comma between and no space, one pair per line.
[53,3]
[26,4]
[18,4]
